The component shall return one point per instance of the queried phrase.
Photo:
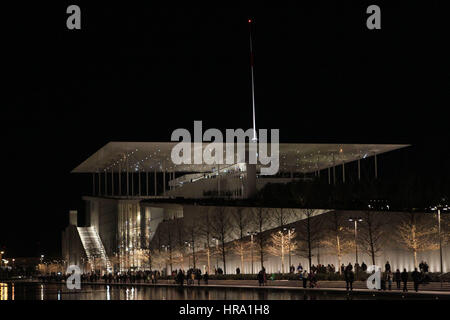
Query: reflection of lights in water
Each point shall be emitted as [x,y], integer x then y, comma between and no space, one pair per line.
[42,292]
[59,295]
[108,294]
[12,291]
[3,291]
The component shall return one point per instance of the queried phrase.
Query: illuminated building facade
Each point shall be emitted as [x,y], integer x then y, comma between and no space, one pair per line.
[140,201]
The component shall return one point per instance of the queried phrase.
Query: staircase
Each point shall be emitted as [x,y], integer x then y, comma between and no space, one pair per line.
[93,247]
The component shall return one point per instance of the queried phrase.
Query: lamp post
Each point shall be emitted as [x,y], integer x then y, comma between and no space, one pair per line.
[1,257]
[289,245]
[355,220]
[251,245]
[438,208]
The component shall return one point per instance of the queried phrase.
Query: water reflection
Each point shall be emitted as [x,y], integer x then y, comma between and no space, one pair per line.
[34,291]
[3,291]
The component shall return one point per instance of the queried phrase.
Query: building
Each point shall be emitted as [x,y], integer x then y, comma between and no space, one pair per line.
[139,199]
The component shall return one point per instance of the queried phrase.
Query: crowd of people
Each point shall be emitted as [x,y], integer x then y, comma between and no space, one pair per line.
[191,275]
[308,279]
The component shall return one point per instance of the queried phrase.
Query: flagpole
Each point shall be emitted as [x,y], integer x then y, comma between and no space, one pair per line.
[254,139]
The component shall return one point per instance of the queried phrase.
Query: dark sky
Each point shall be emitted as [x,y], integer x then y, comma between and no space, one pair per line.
[135,72]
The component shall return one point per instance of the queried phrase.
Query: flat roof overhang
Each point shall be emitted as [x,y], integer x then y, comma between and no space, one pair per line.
[294,157]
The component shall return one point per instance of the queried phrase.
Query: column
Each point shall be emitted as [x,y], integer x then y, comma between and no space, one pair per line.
[343,172]
[146,182]
[128,185]
[93,183]
[359,169]
[164,180]
[112,180]
[99,183]
[132,183]
[318,167]
[334,171]
[156,187]
[120,179]
[106,182]
[329,176]
[139,180]
[376,167]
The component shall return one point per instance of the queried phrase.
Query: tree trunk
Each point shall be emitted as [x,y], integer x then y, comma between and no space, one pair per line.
[208,253]
[282,253]
[223,258]
[242,257]
[414,243]
[338,249]
[308,231]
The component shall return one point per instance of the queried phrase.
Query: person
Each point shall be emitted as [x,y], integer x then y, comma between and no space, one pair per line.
[260,278]
[264,276]
[312,279]
[363,267]
[416,279]
[206,277]
[238,271]
[389,280]
[387,267]
[404,277]
[198,276]
[425,267]
[299,268]
[180,278]
[342,268]
[421,266]
[192,277]
[305,278]
[398,278]
[349,277]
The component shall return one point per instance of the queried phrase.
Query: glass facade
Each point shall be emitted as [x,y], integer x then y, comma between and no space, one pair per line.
[131,227]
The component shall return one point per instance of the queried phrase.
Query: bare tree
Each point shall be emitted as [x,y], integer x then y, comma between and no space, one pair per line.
[220,225]
[371,234]
[280,243]
[259,222]
[337,237]
[206,234]
[179,245]
[309,234]
[281,217]
[417,233]
[240,222]
[170,243]
[192,235]
[242,248]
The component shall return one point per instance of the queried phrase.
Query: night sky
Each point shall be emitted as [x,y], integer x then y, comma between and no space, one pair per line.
[136,72]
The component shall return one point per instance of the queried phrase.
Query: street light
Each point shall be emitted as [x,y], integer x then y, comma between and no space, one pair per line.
[438,208]
[356,220]
[289,244]
[1,257]
[251,234]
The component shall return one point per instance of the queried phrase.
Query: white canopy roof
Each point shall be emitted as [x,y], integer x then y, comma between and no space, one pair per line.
[296,157]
